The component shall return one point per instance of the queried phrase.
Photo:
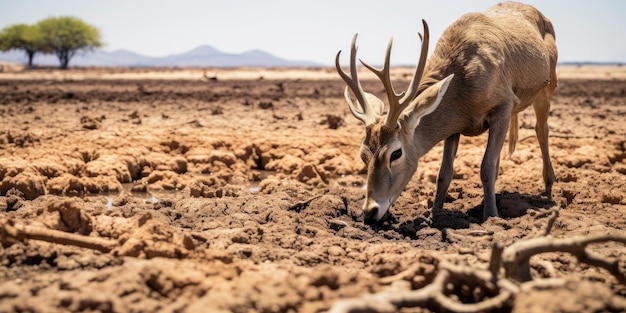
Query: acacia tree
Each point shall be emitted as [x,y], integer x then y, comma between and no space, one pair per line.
[22,37]
[66,35]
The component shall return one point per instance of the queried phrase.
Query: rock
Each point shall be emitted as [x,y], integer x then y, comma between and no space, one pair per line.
[109,165]
[287,164]
[29,182]
[70,216]
[309,173]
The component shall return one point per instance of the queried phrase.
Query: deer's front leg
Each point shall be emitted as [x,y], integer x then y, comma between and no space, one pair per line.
[446,171]
[498,126]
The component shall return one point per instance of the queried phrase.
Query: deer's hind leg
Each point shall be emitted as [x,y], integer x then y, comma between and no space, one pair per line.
[541,105]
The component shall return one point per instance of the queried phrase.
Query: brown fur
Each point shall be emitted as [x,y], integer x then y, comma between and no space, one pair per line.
[502,61]
[493,54]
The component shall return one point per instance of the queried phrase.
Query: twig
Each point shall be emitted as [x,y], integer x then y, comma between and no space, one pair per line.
[300,205]
[24,232]
[560,136]
[554,214]
[496,258]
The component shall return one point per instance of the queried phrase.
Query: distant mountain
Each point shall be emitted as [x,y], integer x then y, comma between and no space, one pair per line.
[205,56]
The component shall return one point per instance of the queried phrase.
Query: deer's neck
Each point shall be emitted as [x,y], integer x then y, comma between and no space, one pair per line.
[432,129]
[443,122]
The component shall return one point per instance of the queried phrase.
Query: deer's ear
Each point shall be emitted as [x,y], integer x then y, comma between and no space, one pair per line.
[425,103]
[376,105]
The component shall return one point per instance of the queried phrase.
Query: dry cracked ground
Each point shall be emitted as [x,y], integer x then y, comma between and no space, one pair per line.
[240,191]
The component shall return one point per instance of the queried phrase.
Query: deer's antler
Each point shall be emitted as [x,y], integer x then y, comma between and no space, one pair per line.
[399,102]
[367,107]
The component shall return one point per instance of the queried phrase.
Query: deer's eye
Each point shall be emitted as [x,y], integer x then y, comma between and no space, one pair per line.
[395,155]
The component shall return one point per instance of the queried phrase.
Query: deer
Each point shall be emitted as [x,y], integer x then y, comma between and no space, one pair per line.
[485,69]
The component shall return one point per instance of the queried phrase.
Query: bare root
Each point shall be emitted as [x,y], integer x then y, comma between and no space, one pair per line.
[436,297]
[488,292]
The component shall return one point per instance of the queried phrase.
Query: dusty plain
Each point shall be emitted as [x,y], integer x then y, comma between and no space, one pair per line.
[240,190]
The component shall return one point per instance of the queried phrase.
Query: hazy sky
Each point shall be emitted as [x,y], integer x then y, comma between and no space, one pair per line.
[315,30]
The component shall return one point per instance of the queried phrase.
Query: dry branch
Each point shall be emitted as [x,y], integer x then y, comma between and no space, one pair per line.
[10,230]
[516,257]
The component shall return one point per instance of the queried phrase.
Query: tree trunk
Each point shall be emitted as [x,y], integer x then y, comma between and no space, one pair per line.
[64,57]
[31,55]
[64,63]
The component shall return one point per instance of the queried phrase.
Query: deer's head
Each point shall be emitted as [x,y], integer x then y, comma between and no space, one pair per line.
[389,149]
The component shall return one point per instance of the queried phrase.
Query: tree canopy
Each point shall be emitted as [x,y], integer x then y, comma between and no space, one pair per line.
[22,37]
[63,36]
[66,36]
